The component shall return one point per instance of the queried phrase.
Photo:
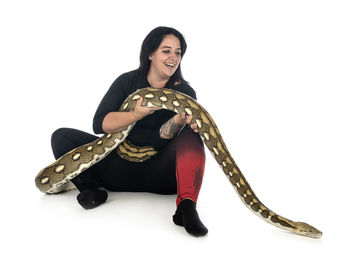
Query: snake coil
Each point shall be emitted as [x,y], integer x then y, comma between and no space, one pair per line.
[56,177]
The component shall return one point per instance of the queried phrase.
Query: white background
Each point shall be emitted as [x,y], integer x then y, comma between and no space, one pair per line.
[273,74]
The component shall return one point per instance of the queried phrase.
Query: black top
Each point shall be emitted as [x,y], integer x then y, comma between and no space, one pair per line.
[146,131]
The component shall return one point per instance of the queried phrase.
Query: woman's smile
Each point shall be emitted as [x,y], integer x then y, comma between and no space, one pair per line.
[166,59]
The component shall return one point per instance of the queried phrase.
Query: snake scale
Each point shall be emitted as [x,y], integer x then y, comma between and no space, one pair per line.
[55,178]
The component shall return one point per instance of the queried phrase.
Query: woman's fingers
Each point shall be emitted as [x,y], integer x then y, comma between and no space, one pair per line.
[188,121]
[194,127]
[145,110]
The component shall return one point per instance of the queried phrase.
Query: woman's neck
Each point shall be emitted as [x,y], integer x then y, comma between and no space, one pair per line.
[156,81]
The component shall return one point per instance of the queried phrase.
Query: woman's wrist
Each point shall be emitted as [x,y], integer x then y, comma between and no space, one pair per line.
[170,129]
[179,120]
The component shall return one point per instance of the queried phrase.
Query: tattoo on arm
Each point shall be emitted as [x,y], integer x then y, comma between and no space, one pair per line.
[169,129]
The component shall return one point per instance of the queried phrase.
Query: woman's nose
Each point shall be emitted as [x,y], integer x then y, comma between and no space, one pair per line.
[174,56]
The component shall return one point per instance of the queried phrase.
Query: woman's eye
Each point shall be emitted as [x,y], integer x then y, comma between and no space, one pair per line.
[167,51]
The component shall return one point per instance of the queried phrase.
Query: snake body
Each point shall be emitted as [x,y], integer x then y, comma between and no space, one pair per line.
[55,177]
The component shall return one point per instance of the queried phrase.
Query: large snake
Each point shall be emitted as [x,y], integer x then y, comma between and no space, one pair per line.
[55,178]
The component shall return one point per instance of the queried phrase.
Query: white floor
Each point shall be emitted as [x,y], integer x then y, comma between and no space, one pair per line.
[273,74]
[141,223]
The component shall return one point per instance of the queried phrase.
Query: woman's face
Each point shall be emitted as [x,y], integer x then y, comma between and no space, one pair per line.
[166,59]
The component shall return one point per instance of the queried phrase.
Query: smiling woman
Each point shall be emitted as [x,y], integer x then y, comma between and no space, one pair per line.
[163,43]
[165,61]
[177,166]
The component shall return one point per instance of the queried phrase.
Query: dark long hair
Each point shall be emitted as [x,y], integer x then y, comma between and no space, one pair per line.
[152,42]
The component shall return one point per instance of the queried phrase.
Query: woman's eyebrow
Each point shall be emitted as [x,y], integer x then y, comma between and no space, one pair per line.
[169,47]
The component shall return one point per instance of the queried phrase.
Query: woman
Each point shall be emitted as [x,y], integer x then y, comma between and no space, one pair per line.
[178,166]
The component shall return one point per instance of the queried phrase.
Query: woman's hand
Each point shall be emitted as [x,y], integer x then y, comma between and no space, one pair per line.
[175,124]
[182,119]
[140,111]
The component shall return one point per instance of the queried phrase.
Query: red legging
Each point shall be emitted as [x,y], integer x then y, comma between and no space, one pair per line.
[190,163]
[179,167]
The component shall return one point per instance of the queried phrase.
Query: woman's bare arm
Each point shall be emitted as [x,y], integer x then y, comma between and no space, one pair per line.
[117,121]
[174,125]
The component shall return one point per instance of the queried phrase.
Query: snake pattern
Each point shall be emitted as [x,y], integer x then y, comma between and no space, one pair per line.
[55,177]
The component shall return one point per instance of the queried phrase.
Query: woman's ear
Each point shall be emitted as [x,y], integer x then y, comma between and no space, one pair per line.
[150,58]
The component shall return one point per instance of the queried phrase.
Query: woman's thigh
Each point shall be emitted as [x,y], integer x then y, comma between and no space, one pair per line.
[157,175]
[117,174]
[64,140]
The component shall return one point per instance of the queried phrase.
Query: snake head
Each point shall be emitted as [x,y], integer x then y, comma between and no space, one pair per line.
[307,230]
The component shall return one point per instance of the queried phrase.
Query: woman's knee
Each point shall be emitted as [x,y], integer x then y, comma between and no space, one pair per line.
[59,135]
[189,140]
[66,139]
[59,141]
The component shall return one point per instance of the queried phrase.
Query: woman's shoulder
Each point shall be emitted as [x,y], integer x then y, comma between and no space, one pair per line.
[130,74]
[128,80]
[184,87]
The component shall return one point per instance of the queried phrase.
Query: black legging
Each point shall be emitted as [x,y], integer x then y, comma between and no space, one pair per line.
[160,174]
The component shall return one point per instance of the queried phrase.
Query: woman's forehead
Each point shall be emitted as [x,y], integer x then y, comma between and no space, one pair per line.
[170,41]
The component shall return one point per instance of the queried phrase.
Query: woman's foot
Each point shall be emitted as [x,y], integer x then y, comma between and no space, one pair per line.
[186,215]
[91,198]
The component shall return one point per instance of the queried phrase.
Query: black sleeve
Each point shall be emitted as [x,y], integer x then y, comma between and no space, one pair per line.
[191,93]
[112,101]
[158,142]
[188,90]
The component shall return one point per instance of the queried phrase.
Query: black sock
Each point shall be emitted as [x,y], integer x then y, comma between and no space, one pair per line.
[186,215]
[91,198]
[90,195]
